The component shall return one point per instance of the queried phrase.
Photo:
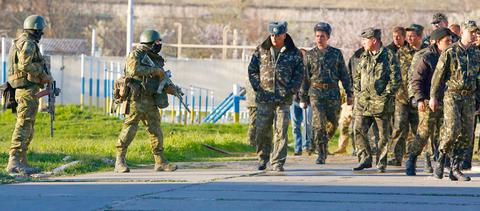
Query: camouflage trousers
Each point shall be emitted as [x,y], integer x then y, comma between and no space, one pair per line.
[150,116]
[428,132]
[252,127]
[26,113]
[362,125]
[405,121]
[325,112]
[458,125]
[278,116]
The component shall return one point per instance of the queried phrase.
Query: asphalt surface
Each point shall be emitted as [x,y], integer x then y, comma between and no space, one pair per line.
[238,186]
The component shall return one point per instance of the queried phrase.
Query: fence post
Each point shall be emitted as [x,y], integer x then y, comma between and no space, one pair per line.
[90,83]
[179,39]
[192,115]
[226,29]
[105,86]
[4,61]
[98,84]
[82,75]
[236,104]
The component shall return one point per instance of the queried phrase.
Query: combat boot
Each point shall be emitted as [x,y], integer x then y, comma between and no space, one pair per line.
[321,154]
[410,165]
[120,162]
[161,164]
[438,171]
[14,165]
[456,174]
[428,164]
[24,162]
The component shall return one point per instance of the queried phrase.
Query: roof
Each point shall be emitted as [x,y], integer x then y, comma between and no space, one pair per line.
[53,46]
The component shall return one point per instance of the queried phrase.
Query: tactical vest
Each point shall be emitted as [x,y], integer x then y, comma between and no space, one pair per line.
[17,78]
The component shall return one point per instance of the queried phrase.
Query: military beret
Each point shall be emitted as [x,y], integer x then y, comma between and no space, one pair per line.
[439,17]
[322,26]
[371,33]
[440,33]
[415,27]
[470,25]
[277,27]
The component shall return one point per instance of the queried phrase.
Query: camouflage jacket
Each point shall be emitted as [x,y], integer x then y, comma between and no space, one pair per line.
[457,68]
[140,65]
[405,56]
[249,94]
[375,82]
[394,48]
[26,63]
[276,80]
[325,67]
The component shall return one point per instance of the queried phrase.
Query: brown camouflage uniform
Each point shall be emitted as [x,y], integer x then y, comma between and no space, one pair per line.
[26,71]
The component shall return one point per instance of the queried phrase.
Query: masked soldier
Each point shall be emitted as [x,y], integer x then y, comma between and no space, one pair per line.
[145,69]
[375,82]
[457,68]
[27,73]
[275,73]
[325,68]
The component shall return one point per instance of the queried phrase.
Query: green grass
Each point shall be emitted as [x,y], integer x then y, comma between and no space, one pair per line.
[91,136]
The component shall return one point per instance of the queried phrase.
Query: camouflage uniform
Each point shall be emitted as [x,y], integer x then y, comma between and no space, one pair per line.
[405,115]
[252,113]
[458,68]
[324,69]
[26,73]
[275,79]
[141,63]
[373,133]
[375,82]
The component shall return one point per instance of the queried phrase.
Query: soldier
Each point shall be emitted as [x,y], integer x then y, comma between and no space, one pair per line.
[325,68]
[455,28]
[405,115]
[27,73]
[467,163]
[429,122]
[275,73]
[252,113]
[375,82]
[439,20]
[457,68]
[145,69]
[347,114]
[398,37]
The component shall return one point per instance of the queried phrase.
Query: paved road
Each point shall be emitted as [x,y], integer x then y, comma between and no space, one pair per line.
[238,186]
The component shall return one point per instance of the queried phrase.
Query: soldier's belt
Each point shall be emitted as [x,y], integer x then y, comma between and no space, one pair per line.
[324,85]
[463,92]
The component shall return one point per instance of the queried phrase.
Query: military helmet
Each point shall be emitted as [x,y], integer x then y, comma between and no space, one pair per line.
[36,22]
[149,36]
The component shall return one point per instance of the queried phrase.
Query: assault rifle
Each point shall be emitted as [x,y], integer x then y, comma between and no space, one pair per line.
[52,91]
